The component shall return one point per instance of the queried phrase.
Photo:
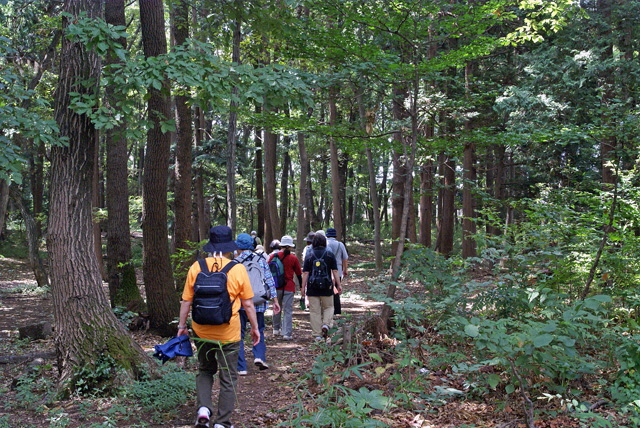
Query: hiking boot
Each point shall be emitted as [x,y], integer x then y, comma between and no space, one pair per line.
[287,337]
[277,332]
[221,426]
[202,421]
[242,372]
[260,364]
[325,331]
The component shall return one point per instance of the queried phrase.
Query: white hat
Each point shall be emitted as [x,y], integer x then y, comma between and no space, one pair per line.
[321,232]
[253,232]
[287,241]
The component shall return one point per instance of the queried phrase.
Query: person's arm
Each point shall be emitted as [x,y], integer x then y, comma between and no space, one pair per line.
[303,284]
[299,280]
[250,310]
[185,306]
[345,262]
[336,280]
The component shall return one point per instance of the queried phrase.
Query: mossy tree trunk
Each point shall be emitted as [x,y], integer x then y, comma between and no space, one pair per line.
[85,326]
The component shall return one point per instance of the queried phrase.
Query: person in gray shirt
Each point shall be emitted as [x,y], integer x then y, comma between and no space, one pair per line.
[340,252]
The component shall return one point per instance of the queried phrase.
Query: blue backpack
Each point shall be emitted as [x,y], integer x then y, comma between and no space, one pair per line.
[277,270]
[178,346]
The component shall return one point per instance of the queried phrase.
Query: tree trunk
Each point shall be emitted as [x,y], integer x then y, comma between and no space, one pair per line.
[367,119]
[284,186]
[232,205]
[97,231]
[86,328]
[160,289]
[335,168]
[304,216]
[426,203]
[33,239]
[399,168]
[202,221]
[259,174]
[184,148]
[445,236]
[468,202]
[4,203]
[272,225]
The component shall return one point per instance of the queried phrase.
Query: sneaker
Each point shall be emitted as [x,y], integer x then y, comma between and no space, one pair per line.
[242,372]
[325,330]
[318,338]
[287,337]
[276,332]
[221,426]
[203,418]
[260,364]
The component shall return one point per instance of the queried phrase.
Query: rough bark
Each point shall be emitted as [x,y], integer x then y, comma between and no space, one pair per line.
[4,203]
[259,174]
[272,224]
[162,300]
[85,326]
[232,138]
[336,200]
[468,202]
[202,220]
[184,148]
[284,186]
[304,216]
[426,203]
[445,235]
[123,288]
[33,238]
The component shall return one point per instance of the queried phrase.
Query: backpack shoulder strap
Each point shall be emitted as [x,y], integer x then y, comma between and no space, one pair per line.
[203,265]
[228,266]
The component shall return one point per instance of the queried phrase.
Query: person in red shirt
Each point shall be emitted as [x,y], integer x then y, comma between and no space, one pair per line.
[283,322]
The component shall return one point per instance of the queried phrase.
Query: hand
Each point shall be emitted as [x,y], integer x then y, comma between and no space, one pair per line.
[183,331]
[255,335]
[276,306]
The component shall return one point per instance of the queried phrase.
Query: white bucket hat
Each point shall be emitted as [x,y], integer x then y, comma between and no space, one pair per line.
[287,241]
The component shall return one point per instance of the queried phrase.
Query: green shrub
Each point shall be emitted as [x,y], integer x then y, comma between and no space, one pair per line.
[163,396]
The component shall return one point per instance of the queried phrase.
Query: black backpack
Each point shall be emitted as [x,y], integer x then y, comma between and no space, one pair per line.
[320,277]
[211,302]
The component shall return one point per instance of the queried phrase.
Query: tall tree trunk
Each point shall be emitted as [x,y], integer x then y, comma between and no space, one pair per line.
[36,168]
[259,174]
[233,119]
[336,181]
[272,223]
[33,238]
[86,328]
[305,205]
[184,149]
[160,289]
[409,154]
[445,236]
[426,203]
[97,230]
[4,203]
[367,119]
[284,186]
[468,202]
[399,168]
[202,220]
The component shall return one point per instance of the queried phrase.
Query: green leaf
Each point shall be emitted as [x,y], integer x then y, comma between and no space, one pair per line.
[493,380]
[472,330]
[542,340]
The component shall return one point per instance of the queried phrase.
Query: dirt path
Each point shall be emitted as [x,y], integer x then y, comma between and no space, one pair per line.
[261,394]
